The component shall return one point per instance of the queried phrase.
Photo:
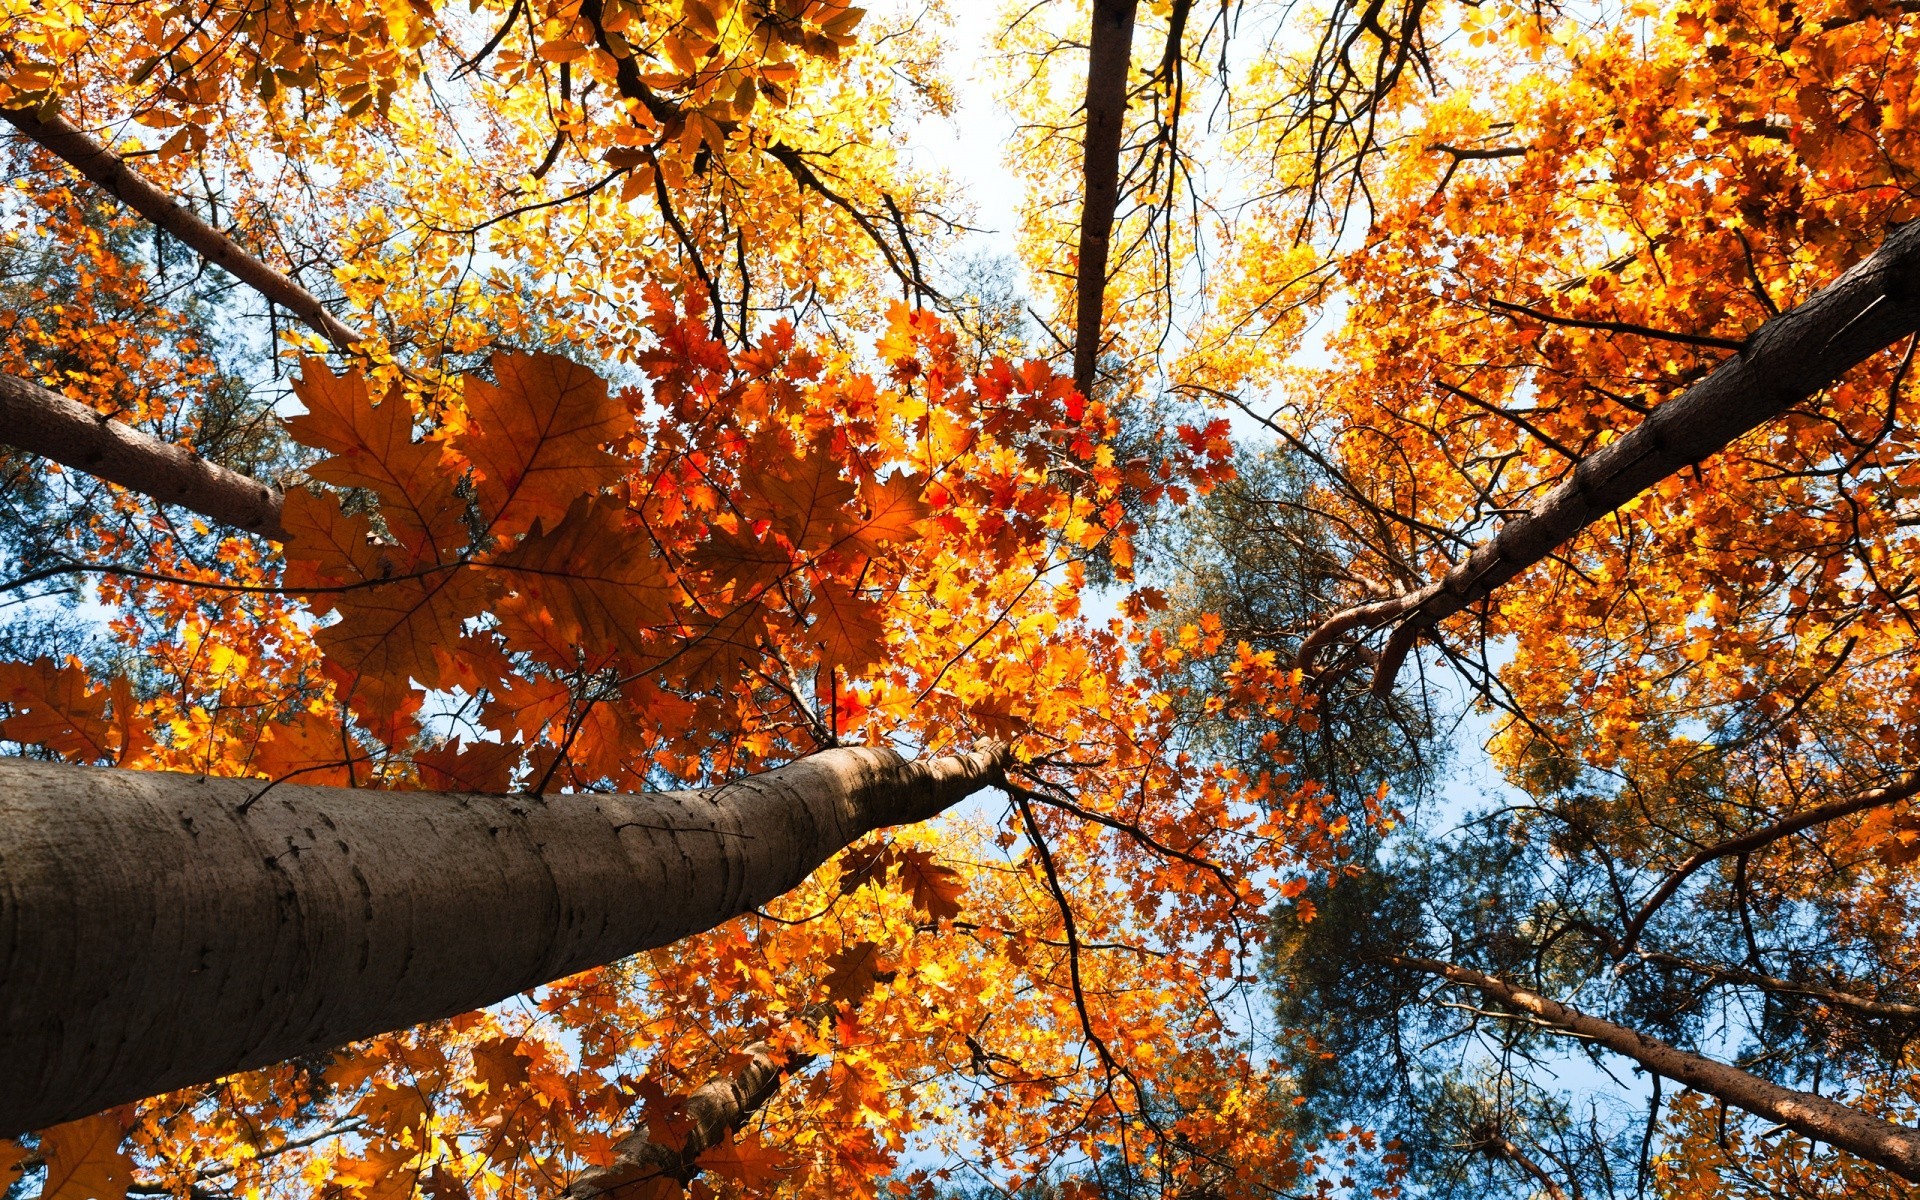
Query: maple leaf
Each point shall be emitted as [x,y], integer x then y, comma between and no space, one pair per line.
[801,497]
[384,1172]
[84,1158]
[372,447]
[935,889]
[738,559]
[894,512]
[749,1162]
[313,747]
[458,766]
[53,707]
[854,971]
[602,585]
[535,437]
[500,1065]
[391,619]
[847,628]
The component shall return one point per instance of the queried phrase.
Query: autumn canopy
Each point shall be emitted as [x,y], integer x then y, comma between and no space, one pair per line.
[588,612]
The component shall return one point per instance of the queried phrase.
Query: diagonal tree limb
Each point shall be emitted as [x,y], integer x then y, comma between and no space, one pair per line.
[1109,60]
[111,172]
[712,1112]
[1895,1147]
[1747,843]
[158,929]
[1865,1006]
[1787,360]
[46,423]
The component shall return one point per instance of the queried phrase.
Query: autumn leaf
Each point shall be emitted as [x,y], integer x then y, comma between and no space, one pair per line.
[600,584]
[801,497]
[536,438]
[894,510]
[372,446]
[457,766]
[312,747]
[853,972]
[52,706]
[749,1162]
[499,1064]
[391,618]
[848,629]
[935,889]
[84,1158]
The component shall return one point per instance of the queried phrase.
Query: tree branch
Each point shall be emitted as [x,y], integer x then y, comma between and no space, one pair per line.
[1787,360]
[1747,843]
[49,424]
[111,172]
[1109,59]
[1895,1147]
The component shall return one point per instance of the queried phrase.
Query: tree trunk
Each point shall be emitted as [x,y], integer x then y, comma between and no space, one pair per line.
[159,930]
[111,172]
[1109,59]
[1787,360]
[68,432]
[1895,1147]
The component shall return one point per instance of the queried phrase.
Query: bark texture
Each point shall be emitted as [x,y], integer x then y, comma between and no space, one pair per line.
[1895,1147]
[73,435]
[1109,58]
[110,171]
[159,930]
[1786,361]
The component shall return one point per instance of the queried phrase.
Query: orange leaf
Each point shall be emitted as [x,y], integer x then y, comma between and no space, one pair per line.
[372,447]
[894,512]
[84,1159]
[499,1064]
[750,1163]
[853,972]
[391,618]
[534,437]
[600,585]
[847,629]
[804,499]
[53,707]
[312,748]
[468,767]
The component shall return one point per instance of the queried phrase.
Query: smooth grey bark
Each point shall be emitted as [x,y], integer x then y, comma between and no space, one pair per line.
[1109,60]
[1786,361]
[46,423]
[1895,1147]
[107,169]
[159,930]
